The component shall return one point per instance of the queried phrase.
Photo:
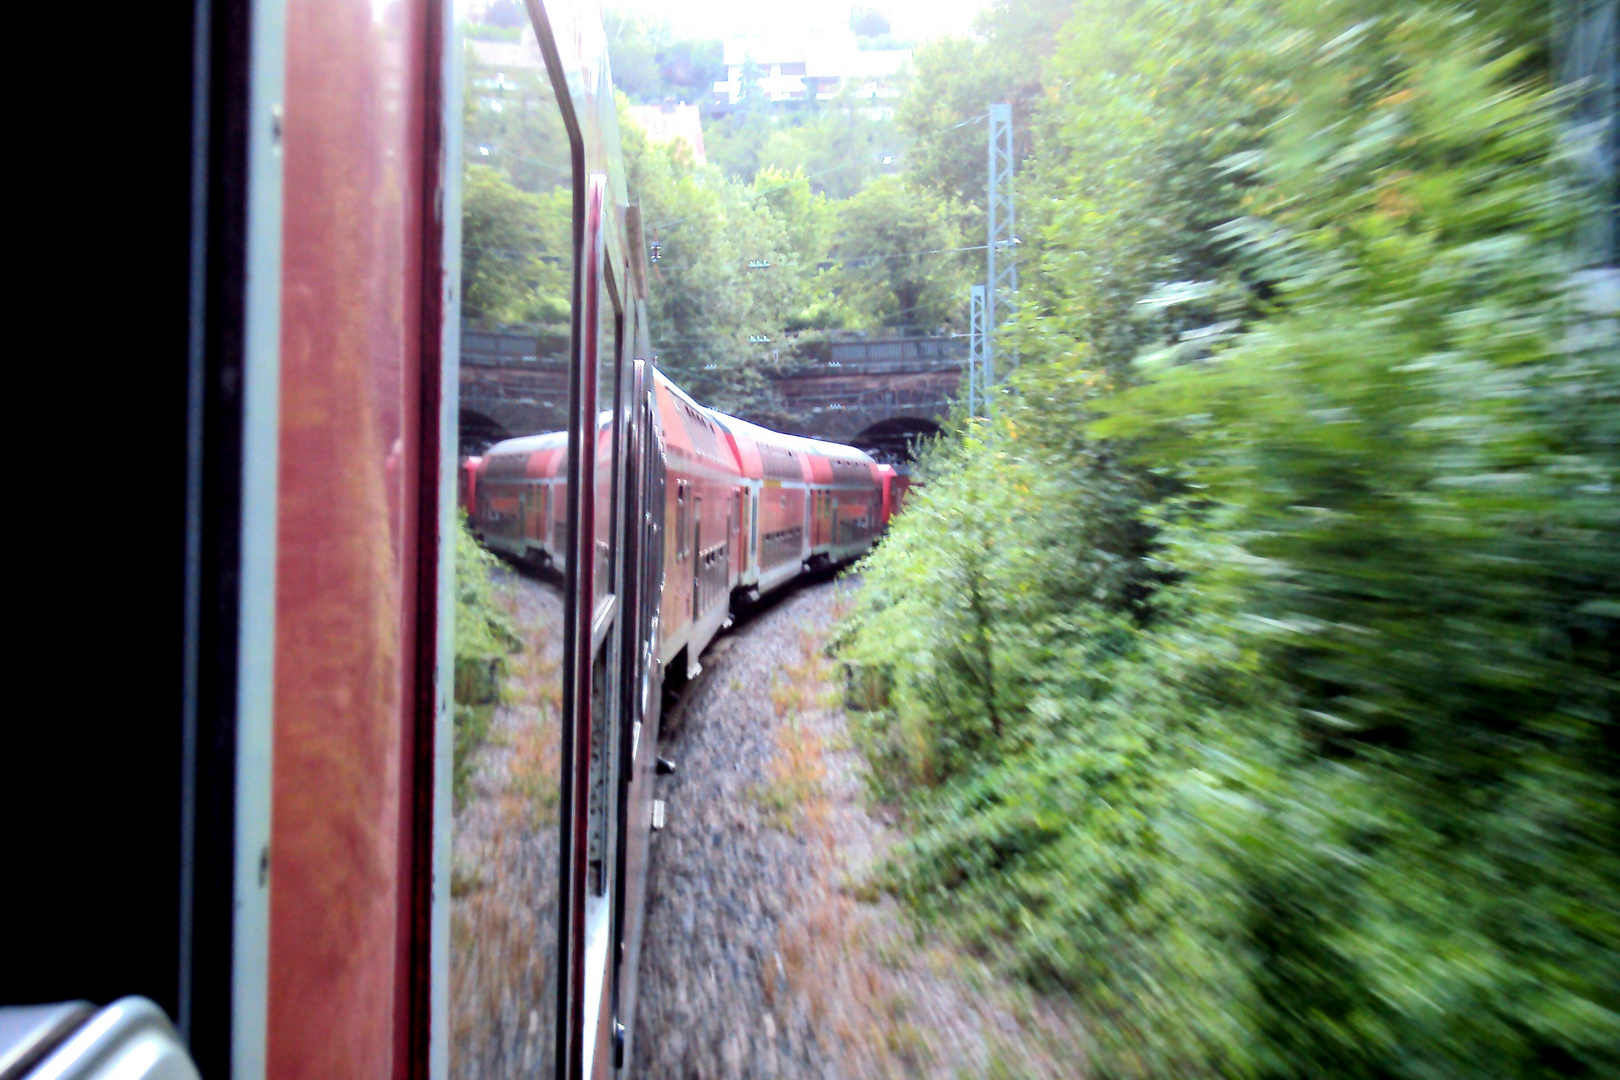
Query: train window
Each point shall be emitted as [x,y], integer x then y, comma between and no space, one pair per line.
[518,234]
[609,345]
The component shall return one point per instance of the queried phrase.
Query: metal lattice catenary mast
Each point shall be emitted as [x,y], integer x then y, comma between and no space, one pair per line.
[993,303]
[1001,294]
[977,390]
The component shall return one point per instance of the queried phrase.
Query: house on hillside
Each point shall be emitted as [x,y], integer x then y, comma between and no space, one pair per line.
[811,68]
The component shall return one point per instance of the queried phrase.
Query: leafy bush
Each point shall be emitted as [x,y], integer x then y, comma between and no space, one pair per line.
[485,637]
[1274,715]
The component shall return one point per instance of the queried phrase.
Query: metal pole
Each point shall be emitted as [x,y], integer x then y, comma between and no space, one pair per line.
[1001,267]
[977,343]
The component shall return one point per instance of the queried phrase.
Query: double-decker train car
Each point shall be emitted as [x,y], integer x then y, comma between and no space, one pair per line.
[747,510]
[822,500]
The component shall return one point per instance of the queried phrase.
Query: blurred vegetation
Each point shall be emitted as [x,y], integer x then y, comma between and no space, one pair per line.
[517,203]
[651,65]
[517,252]
[485,639]
[1255,664]
[718,322]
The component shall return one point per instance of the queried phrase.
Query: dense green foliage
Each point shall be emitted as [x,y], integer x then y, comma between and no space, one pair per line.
[900,258]
[485,637]
[743,266]
[839,144]
[956,81]
[718,322]
[516,251]
[516,204]
[1255,664]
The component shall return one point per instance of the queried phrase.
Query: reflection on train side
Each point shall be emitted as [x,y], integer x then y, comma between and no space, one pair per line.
[521,496]
[517,272]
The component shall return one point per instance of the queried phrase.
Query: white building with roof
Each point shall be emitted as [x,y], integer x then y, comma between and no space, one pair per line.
[812,68]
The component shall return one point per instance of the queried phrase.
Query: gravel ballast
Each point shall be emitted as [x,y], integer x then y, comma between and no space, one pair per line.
[766,953]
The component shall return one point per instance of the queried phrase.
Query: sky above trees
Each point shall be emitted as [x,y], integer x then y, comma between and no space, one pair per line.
[919,20]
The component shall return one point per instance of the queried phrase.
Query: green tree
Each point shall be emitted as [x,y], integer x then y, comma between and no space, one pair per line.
[510,121]
[651,65]
[840,146]
[956,81]
[1398,446]
[807,218]
[735,140]
[728,279]
[516,252]
[635,45]
[900,258]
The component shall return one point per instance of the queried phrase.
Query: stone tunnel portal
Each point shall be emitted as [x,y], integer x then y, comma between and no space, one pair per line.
[895,440]
[479,432]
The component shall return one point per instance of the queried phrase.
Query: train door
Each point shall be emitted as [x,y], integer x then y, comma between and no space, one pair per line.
[697,557]
[734,517]
[753,528]
[534,513]
[638,734]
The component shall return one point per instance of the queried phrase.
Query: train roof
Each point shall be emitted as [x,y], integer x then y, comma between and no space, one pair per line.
[674,388]
[791,442]
[528,444]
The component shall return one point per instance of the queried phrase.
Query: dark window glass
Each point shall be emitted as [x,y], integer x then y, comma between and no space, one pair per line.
[517,282]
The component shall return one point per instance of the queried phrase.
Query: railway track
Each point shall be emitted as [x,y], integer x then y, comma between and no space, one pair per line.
[767,953]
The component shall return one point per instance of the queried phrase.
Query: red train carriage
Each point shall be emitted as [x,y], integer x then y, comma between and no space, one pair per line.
[808,502]
[467,485]
[701,509]
[846,502]
[747,510]
[775,485]
[521,502]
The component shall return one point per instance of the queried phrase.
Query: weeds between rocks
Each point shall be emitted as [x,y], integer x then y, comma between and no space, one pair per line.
[768,953]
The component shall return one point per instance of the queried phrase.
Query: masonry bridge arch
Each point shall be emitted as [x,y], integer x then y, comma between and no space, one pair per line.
[881,394]
[511,383]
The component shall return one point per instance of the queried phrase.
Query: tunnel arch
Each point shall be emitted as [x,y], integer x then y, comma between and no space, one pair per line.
[894,440]
[478,432]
